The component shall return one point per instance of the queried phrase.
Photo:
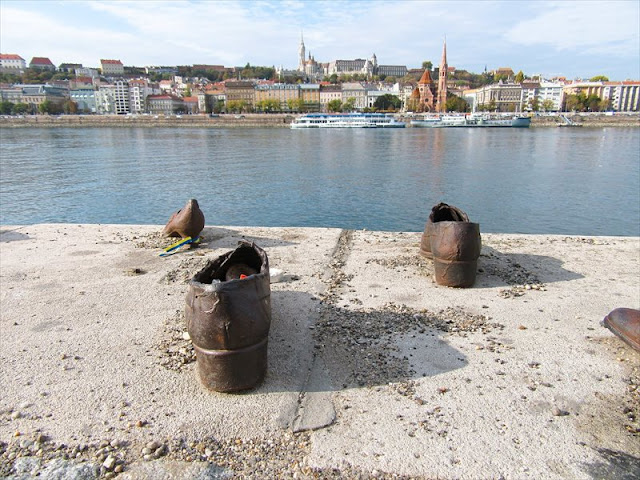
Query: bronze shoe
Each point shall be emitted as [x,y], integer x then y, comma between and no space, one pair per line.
[625,324]
[456,248]
[439,213]
[186,222]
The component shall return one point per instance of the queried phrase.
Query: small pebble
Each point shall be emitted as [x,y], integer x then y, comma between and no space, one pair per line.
[559,413]
[109,462]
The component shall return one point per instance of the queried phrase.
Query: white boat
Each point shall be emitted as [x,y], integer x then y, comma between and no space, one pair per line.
[472,120]
[346,120]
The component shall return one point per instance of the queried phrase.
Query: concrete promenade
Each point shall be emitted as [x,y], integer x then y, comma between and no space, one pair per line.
[374,370]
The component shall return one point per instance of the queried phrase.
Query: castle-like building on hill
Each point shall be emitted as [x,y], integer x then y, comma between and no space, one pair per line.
[310,68]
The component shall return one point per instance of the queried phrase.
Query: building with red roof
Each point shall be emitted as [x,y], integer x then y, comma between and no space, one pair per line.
[12,63]
[111,67]
[42,63]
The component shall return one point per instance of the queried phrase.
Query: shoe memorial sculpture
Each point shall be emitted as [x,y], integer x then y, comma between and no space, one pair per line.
[228,315]
[454,243]
[625,324]
[439,213]
[186,222]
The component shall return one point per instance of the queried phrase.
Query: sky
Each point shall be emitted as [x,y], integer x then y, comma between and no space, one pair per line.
[575,39]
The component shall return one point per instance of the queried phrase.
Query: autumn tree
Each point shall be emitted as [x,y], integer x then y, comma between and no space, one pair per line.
[70,107]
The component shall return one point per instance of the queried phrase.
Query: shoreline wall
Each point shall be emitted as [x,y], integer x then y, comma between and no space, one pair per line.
[261,121]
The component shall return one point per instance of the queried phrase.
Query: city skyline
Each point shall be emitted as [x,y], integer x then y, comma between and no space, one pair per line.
[577,39]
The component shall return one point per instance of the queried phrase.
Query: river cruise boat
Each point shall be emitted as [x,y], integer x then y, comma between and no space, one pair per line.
[346,120]
[472,120]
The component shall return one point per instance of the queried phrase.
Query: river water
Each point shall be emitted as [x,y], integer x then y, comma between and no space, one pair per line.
[583,181]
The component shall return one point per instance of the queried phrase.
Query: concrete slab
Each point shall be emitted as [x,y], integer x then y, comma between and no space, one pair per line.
[373,368]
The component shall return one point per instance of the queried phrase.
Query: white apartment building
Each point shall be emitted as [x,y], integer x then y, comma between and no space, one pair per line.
[121,97]
[10,62]
[624,96]
[551,91]
[111,67]
[139,90]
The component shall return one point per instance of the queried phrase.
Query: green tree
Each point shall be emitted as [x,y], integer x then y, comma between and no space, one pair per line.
[413,105]
[187,92]
[593,103]
[349,105]
[295,104]
[534,104]
[456,104]
[268,105]
[387,102]
[599,78]
[427,65]
[547,105]
[217,106]
[333,78]
[334,105]
[236,106]
[20,108]
[573,103]
[519,78]
[46,107]
[6,108]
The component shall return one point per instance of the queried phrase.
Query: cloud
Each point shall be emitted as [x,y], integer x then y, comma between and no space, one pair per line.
[235,32]
[30,31]
[581,27]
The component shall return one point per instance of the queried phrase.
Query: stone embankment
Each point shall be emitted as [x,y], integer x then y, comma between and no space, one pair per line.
[258,120]
[223,121]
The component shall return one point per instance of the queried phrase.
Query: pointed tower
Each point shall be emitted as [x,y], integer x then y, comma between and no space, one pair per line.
[301,51]
[441,105]
[425,89]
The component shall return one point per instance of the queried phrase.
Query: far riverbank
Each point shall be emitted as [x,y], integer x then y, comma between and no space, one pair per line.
[261,120]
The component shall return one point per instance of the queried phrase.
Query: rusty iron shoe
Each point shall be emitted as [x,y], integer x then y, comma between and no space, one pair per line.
[625,324]
[186,222]
[439,213]
[228,315]
[456,248]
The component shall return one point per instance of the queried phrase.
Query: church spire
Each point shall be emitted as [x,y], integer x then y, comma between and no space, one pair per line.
[443,61]
[441,105]
[301,51]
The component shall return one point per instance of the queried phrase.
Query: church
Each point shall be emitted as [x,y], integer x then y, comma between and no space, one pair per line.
[309,67]
[425,97]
